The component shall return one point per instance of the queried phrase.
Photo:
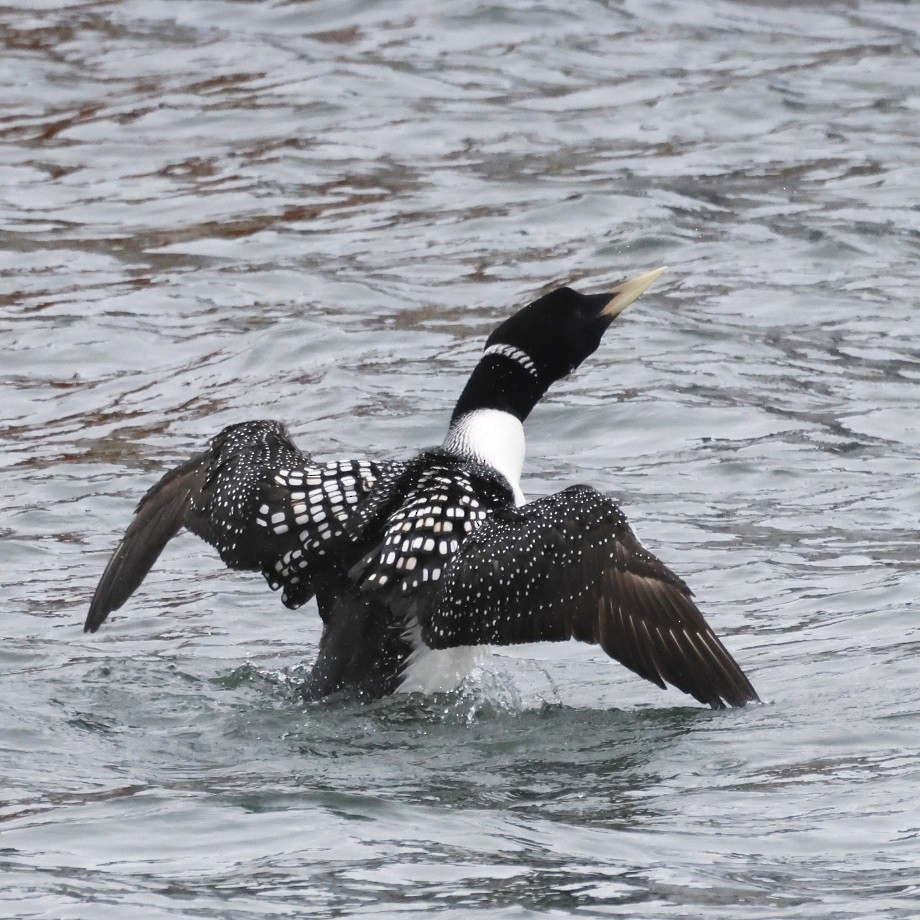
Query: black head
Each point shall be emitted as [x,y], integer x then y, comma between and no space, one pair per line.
[542,343]
[556,332]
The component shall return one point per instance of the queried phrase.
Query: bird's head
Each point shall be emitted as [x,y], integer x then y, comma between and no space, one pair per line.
[542,343]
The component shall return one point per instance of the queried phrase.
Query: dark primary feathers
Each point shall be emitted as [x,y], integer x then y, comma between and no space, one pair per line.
[436,553]
[160,515]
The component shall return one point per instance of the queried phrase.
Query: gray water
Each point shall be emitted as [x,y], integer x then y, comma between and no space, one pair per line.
[214,211]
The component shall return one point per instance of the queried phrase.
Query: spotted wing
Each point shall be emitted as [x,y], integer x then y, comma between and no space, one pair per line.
[446,502]
[266,506]
[569,567]
[258,500]
[307,515]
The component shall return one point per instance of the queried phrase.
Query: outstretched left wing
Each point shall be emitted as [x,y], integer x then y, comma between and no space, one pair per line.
[569,567]
[260,502]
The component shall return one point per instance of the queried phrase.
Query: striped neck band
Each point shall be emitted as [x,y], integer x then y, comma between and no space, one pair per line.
[515,354]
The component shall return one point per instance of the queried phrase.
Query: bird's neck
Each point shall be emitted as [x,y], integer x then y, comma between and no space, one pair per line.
[505,379]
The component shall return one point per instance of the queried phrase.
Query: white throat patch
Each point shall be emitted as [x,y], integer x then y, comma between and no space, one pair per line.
[493,437]
[515,354]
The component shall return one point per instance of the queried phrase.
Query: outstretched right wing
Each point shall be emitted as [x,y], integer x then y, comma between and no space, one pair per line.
[569,567]
[258,500]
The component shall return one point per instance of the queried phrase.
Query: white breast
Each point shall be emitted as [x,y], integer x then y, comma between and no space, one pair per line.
[431,670]
[493,437]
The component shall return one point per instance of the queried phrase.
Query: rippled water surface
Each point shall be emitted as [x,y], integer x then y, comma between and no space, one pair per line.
[315,211]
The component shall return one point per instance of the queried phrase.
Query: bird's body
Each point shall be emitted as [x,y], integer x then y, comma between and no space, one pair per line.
[416,565]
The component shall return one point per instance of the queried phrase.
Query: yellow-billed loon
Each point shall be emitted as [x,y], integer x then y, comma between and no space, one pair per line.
[440,552]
